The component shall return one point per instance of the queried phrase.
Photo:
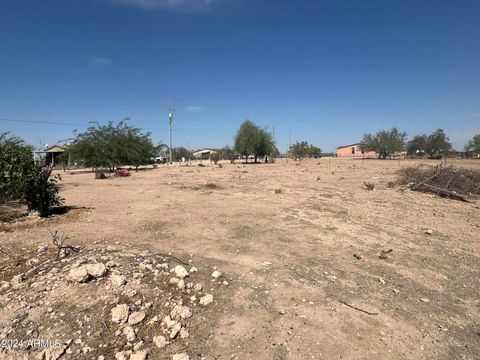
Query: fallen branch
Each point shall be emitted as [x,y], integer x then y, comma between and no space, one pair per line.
[356,308]
[439,191]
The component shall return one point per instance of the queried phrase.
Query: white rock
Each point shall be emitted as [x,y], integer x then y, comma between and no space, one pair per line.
[96,270]
[181,285]
[79,274]
[184,333]
[193,269]
[216,274]
[129,333]
[169,322]
[120,313]
[180,311]
[180,271]
[136,317]
[198,287]
[140,355]
[160,341]
[118,280]
[182,356]
[206,300]
[175,330]
[120,356]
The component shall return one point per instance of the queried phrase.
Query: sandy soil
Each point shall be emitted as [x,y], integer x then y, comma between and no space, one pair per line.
[293,258]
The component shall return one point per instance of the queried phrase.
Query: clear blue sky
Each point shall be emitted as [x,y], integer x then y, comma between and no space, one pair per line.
[326,71]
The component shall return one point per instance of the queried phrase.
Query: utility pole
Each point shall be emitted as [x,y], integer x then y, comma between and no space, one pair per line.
[170,119]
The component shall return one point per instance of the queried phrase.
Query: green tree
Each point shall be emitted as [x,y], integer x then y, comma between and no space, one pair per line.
[23,180]
[473,145]
[384,142]
[418,145]
[253,140]
[303,149]
[438,144]
[111,145]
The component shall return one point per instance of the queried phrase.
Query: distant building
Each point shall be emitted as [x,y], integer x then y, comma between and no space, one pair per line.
[355,151]
[50,154]
[204,154]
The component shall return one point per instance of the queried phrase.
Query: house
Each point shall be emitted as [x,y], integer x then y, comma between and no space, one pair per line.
[355,151]
[50,154]
[204,154]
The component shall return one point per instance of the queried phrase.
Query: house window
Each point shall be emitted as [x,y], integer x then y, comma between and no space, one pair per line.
[353,150]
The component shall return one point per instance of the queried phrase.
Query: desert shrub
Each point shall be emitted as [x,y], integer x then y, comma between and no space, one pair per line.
[461,180]
[23,180]
[215,157]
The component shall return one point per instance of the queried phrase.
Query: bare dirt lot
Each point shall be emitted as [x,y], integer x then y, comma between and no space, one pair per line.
[299,245]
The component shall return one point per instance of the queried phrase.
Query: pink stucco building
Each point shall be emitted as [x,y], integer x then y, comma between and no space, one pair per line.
[355,151]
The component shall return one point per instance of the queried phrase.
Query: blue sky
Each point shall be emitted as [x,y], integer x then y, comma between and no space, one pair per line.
[324,71]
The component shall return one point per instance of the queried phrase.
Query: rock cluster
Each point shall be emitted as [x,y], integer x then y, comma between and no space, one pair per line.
[107,305]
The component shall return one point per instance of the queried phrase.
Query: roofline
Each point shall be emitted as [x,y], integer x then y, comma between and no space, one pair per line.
[344,146]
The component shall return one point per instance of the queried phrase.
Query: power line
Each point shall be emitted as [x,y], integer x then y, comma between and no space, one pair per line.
[43,122]
[91,123]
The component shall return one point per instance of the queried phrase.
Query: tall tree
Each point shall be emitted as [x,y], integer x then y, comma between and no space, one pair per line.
[384,142]
[253,140]
[418,145]
[473,145]
[112,145]
[438,144]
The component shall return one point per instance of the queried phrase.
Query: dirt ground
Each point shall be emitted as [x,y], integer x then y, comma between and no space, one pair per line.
[299,243]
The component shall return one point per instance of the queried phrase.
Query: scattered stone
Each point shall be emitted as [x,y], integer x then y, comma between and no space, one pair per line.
[120,313]
[17,281]
[180,271]
[216,274]
[380,280]
[136,317]
[118,280]
[182,312]
[181,356]
[120,356]
[84,273]
[198,287]
[184,333]
[424,300]
[206,300]
[140,355]
[429,232]
[175,330]
[181,284]
[96,270]
[129,333]
[160,341]
[42,248]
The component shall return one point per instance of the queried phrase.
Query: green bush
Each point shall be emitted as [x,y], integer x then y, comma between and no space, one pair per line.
[23,180]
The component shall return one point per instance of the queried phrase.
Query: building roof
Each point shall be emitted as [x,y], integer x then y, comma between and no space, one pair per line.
[344,146]
[205,150]
[54,148]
